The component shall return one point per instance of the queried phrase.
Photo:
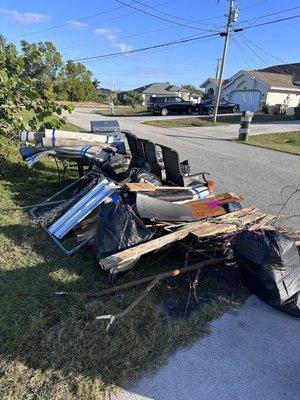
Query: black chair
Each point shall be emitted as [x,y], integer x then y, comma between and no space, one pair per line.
[151,157]
[136,149]
[173,170]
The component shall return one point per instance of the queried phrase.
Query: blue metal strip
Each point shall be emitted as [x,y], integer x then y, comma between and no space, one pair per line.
[81,209]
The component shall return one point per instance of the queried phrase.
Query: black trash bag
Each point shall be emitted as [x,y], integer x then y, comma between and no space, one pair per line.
[143,174]
[118,228]
[270,266]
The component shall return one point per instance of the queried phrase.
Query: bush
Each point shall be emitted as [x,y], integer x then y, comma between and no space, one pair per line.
[297,112]
[266,109]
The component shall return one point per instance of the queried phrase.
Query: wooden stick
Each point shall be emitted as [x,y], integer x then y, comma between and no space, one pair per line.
[154,281]
[135,303]
[161,276]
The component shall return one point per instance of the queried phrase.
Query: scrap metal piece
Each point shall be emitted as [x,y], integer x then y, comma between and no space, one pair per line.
[149,207]
[82,208]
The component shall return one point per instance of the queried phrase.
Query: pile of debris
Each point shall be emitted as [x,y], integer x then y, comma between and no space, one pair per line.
[152,203]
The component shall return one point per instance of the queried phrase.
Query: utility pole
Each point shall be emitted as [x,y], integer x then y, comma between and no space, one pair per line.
[232,17]
[218,67]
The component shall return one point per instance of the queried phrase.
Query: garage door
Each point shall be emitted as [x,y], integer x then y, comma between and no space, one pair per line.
[247,99]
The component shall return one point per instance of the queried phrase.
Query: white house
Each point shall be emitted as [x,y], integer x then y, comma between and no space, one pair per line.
[252,89]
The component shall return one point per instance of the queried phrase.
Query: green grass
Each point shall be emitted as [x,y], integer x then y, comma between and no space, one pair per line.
[182,122]
[288,142]
[51,346]
[123,111]
[207,120]
[68,127]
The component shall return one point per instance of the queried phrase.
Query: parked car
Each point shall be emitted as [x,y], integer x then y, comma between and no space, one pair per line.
[170,104]
[208,106]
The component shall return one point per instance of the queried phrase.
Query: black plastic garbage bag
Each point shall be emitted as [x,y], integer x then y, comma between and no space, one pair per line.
[118,228]
[270,266]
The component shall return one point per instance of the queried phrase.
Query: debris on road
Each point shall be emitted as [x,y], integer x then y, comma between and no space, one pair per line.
[152,204]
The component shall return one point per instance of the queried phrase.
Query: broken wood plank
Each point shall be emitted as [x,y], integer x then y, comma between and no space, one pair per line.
[227,227]
[149,187]
[135,252]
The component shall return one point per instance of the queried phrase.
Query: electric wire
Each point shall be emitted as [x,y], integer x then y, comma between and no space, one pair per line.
[162,18]
[172,15]
[183,40]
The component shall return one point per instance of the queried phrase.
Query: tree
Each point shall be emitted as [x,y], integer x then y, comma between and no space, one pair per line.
[74,83]
[42,62]
[20,90]
[133,98]
[193,89]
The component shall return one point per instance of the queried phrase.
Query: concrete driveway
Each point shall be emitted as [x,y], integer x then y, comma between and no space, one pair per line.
[253,353]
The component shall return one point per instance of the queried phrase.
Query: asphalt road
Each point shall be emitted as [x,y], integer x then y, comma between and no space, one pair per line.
[253,353]
[255,173]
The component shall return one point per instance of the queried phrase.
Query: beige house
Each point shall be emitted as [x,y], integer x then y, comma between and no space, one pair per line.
[278,85]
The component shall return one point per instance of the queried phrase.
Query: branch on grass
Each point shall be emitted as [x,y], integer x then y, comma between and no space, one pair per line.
[155,279]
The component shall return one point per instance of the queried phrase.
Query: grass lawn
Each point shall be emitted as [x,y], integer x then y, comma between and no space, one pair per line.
[288,142]
[51,346]
[182,122]
[68,127]
[222,119]
[123,111]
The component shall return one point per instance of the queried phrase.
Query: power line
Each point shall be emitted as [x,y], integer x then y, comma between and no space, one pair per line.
[265,51]
[255,4]
[268,15]
[245,40]
[241,52]
[118,38]
[183,40]
[172,15]
[245,54]
[258,56]
[239,29]
[68,22]
[143,76]
[162,18]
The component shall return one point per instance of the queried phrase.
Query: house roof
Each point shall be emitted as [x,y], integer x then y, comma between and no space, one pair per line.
[290,69]
[276,79]
[159,88]
[284,75]
[214,80]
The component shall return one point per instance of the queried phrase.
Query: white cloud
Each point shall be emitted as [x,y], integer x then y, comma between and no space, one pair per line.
[124,47]
[110,35]
[24,18]
[77,24]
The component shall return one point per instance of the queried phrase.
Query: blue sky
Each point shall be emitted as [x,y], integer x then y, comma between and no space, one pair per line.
[118,28]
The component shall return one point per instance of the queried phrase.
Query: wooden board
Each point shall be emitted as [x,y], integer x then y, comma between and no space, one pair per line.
[149,187]
[227,223]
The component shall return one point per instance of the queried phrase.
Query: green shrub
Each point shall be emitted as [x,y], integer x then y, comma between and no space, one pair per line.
[266,109]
